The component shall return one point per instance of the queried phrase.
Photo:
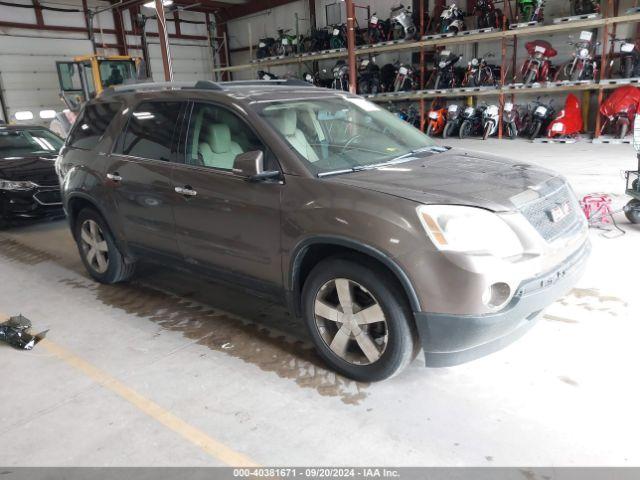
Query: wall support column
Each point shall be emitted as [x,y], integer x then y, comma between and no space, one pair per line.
[163,36]
[351,46]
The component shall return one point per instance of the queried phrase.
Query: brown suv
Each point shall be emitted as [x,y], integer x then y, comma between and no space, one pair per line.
[382,242]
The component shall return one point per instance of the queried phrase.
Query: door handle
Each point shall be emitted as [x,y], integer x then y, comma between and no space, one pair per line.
[187,191]
[114,176]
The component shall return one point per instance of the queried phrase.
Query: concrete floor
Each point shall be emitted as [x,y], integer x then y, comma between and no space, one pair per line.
[171,370]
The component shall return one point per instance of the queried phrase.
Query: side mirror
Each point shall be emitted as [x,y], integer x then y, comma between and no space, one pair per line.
[636,133]
[250,165]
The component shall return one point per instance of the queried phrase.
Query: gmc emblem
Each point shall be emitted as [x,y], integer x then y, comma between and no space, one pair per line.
[558,213]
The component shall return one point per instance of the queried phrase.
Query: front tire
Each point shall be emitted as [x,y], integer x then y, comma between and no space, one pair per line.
[465,129]
[535,129]
[448,130]
[632,212]
[98,250]
[359,320]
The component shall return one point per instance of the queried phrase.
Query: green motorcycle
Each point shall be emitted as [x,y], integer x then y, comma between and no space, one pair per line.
[531,10]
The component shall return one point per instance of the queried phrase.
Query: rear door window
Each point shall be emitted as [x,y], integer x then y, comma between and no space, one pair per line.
[91,125]
[151,131]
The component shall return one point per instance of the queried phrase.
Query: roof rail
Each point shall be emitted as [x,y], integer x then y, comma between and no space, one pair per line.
[276,82]
[140,87]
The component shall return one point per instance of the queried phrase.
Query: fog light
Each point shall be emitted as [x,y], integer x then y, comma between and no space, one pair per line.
[496,295]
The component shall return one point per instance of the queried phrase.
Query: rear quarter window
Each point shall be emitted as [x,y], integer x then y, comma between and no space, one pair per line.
[91,125]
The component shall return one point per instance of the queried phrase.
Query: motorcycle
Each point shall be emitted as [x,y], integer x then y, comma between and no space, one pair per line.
[568,123]
[319,39]
[338,38]
[436,121]
[538,68]
[487,15]
[369,77]
[454,120]
[619,110]
[388,74]
[583,66]
[531,10]
[402,24]
[264,75]
[405,79]
[445,72]
[629,59]
[511,121]
[285,44]
[490,120]
[451,20]
[584,7]
[340,76]
[480,73]
[537,118]
[471,122]
[378,30]
[265,47]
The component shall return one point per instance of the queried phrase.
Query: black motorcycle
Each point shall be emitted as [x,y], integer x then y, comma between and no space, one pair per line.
[340,76]
[264,75]
[387,77]
[538,117]
[629,59]
[472,122]
[454,120]
[319,40]
[368,77]
[406,78]
[584,7]
[487,15]
[266,47]
[445,73]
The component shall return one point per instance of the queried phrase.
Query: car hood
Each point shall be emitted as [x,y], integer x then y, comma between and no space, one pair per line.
[455,177]
[40,170]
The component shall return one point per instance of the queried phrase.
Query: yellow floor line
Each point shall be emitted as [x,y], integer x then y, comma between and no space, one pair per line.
[213,447]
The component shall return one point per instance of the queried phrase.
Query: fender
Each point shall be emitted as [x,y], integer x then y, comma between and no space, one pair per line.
[300,250]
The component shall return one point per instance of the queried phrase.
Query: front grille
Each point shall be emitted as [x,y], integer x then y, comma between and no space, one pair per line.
[538,212]
[48,197]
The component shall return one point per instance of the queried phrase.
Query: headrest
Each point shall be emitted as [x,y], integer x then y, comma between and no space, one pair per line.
[286,122]
[219,137]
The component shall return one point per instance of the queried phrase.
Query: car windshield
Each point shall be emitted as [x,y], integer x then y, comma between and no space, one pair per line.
[28,142]
[343,134]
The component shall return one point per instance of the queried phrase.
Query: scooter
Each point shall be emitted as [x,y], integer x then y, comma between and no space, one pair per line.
[452,20]
[568,123]
[619,110]
[405,79]
[632,181]
[471,122]
[490,120]
[454,120]
[538,68]
[583,65]
[402,25]
[445,74]
[584,7]
[487,15]
[480,73]
[511,121]
[436,121]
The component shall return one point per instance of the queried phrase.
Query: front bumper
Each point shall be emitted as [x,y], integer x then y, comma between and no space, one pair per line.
[453,339]
[42,202]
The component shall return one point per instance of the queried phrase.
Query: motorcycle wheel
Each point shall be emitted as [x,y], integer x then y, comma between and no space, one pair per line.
[511,130]
[530,77]
[448,130]
[576,75]
[465,129]
[632,212]
[410,33]
[487,130]
[429,130]
[627,68]
[437,84]
[623,128]
[535,129]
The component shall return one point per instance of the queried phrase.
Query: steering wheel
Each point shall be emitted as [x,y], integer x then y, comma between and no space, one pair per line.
[349,142]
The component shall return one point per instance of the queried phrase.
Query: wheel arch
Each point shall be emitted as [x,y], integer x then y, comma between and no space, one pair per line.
[310,252]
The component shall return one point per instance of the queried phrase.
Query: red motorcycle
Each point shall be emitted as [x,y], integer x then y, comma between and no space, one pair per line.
[538,68]
[619,110]
[568,123]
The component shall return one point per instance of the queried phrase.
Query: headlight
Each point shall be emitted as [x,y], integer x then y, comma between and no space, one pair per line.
[583,53]
[469,229]
[13,185]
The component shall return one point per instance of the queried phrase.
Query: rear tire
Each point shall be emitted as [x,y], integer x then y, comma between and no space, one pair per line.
[390,343]
[633,211]
[623,129]
[98,250]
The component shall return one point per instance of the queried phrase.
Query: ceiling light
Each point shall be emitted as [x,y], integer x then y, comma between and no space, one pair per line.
[165,3]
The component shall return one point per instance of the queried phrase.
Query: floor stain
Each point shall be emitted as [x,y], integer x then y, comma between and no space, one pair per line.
[592,300]
[288,357]
[15,251]
[568,380]
[555,318]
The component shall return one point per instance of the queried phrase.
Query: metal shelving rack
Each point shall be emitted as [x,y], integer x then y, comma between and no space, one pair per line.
[609,20]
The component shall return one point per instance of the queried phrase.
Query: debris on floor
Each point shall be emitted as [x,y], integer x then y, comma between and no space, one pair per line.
[16,332]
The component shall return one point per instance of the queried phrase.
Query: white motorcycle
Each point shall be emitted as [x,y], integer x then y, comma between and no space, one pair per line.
[452,20]
[490,119]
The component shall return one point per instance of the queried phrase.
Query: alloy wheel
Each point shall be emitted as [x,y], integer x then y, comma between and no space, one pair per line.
[94,246]
[351,321]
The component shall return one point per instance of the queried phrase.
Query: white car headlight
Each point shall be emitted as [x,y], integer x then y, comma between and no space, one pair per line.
[469,229]
[16,185]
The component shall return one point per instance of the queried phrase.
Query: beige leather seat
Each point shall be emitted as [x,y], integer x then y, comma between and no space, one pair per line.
[218,150]
[286,123]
